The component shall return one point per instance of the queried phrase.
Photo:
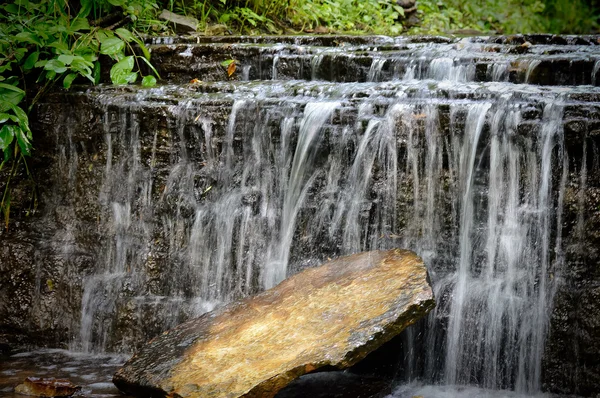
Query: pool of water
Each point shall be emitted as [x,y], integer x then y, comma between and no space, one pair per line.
[92,372]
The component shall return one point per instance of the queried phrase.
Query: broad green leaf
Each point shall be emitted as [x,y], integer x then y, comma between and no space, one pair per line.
[148,81]
[4,117]
[7,66]
[120,73]
[131,77]
[20,53]
[56,66]
[59,45]
[69,80]
[31,60]
[11,8]
[20,113]
[23,141]
[7,134]
[399,10]
[112,46]
[23,120]
[87,54]
[8,99]
[11,88]
[66,59]
[41,64]
[50,75]
[79,24]
[125,34]
[227,62]
[28,37]
[118,3]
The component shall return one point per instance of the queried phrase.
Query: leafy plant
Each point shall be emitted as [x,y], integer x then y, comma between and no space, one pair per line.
[43,42]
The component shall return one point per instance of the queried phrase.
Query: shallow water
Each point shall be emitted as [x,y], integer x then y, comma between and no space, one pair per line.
[92,372]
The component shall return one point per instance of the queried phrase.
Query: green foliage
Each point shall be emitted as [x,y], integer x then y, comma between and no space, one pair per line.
[507,17]
[43,42]
[385,17]
[376,16]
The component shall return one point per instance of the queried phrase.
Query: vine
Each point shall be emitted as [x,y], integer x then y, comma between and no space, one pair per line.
[44,42]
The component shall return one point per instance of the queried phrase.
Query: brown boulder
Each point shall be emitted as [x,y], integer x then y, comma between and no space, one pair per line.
[329,317]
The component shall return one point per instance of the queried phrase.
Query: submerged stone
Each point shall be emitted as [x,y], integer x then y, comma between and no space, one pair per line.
[47,387]
[323,318]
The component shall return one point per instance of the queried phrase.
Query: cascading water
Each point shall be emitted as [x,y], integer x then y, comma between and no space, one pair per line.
[214,191]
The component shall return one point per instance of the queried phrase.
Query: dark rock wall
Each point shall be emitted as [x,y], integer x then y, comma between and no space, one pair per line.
[572,360]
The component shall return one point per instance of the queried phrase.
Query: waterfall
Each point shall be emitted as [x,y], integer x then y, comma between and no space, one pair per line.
[299,181]
[475,199]
[205,193]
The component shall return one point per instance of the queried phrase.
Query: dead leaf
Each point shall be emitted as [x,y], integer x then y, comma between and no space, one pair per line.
[195,81]
[231,69]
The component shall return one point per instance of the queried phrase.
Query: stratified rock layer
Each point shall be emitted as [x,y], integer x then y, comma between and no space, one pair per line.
[330,316]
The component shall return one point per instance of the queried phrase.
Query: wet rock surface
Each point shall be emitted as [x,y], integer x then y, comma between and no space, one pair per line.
[322,318]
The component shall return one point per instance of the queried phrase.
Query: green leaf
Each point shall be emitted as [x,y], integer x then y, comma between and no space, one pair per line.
[112,46]
[56,66]
[20,113]
[11,8]
[227,62]
[148,81]
[143,48]
[28,37]
[79,24]
[59,45]
[97,73]
[23,120]
[69,80]
[4,117]
[66,59]
[125,34]
[9,98]
[399,10]
[86,8]
[120,73]
[23,141]
[50,75]
[151,66]
[31,60]
[20,53]
[7,134]
[11,88]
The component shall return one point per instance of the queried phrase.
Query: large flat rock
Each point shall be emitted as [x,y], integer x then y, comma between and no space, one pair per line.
[327,317]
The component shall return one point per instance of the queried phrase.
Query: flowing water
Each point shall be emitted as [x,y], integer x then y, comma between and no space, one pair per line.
[213,191]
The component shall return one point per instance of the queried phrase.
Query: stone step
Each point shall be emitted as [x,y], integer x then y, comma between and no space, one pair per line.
[533,59]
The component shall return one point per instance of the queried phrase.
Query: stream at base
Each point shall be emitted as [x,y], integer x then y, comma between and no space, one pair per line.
[94,373]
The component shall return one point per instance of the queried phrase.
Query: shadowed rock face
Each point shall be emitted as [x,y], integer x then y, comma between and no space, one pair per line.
[326,317]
